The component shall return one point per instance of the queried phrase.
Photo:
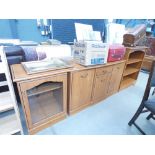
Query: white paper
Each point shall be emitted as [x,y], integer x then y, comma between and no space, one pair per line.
[115,33]
[83,31]
[97,36]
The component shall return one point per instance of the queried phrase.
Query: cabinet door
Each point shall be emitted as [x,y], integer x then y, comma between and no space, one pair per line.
[81,89]
[115,78]
[101,84]
[43,99]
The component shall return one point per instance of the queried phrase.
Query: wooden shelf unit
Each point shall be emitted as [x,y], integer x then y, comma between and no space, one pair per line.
[134,58]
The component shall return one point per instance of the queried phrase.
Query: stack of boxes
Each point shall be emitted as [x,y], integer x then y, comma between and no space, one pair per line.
[96,52]
[92,51]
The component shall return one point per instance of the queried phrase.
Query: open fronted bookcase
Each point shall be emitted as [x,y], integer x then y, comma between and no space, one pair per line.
[134,58]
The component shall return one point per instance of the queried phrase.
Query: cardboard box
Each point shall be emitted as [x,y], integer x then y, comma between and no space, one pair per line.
[91,52]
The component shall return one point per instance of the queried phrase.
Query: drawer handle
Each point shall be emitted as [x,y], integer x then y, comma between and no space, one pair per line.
[84,76]
[104,72]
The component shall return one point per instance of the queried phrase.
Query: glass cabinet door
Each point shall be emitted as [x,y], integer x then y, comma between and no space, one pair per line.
[45,100]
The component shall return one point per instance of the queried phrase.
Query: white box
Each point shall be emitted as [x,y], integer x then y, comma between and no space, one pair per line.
[91,52]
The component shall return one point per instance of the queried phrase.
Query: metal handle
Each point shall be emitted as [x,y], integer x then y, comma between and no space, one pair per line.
[104,71]
[102,80]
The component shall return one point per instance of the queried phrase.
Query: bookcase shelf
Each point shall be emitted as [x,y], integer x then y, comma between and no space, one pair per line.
[126,82]
[134,58]
[130,70]
[44,88]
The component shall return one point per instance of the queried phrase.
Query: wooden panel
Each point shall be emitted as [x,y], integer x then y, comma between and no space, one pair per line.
[133,60]
[101,84]
[147,62]
[126,82]
[81,88]
[136,65]
[137,54]
[147,65]
[115,79]
[48,123]
[29,84]
[77,109]
[24,106]
[103,70]
[136,48]
[19,74]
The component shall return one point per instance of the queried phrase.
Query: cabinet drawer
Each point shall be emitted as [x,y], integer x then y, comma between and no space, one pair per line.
[119,66]
[103,70]
[26,85]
